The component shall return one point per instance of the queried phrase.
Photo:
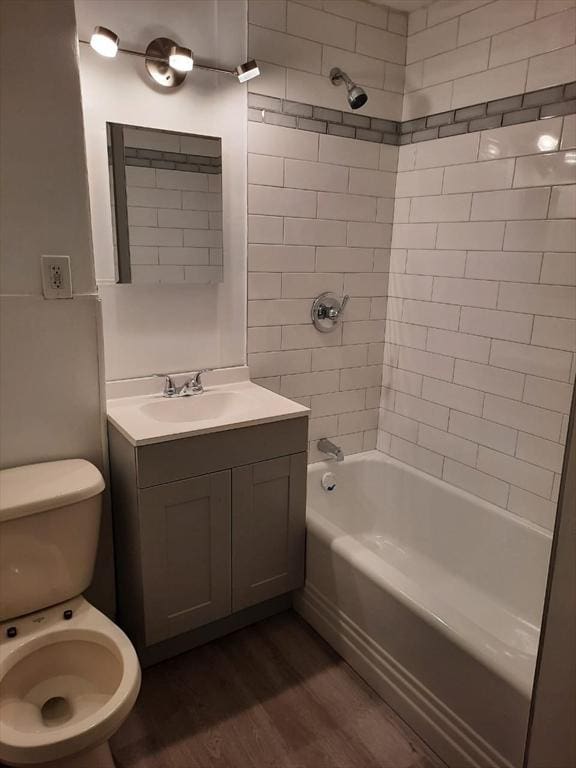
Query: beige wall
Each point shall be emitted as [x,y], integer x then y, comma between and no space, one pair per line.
[50,394]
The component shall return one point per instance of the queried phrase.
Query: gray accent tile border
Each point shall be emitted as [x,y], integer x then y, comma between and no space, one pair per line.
[527,107]
[172,161]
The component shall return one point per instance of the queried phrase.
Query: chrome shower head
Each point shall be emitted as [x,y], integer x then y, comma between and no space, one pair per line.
[355,94]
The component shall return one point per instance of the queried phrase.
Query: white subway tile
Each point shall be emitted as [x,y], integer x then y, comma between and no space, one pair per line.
[453,396]
[553,300]
[264,339]
[492,84]
[458,62]
[282,142]
[528,418]
[366,284]
[532,507]
[510,326]
[414,235]
[556,235]
[401,381]
[441,208]
[461,345]
[334,205]
[363,331]
[388,158]
[426,101]
[280,258]
[417,20]
[474,235]
[410,286]
[278,363]
[517,140]
[419,183]
[407,157]
[322,27]
[366,235]
[276,201]
[278,311]
[284,49]
[494,18]
[449,151]
[202,201]
[484,432]
[429,42]
[338,402]
[140,177]
[416,456]
[475,482]
[307,337]
[431,314]
[544,170]
[323,177]
[184,256]
[145,274]
[398,425]
[344,259]
[264,285]
[504,265]
[154,198]
[427,363]
[554,395]
[394,308]
[510,204]
[406,334]
[307,285]
[569,132]
[358,309]
[272,82]
[263,169]
[376,353]
[325,426]
[144,254]
[545,7]
[473,293]
[349,152]
[357,422]
[314,232]
[359,378]
[317,383]
[402,210]
[432,262]
[543,453]
[563,202]
[516,472]
[197,182]
[362,69]
[264,13]
[170,217]
[380,44]
[148,217]
[339,357]
[555,332]
[477,177]
[375,15]
[540,36]
[539,361]
[155,236]
[211,238]
[448,445]
[385,210]
[369,182]
[442,10]
[551,69]
[486,378]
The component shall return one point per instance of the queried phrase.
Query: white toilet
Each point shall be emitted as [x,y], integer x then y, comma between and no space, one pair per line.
[68,675]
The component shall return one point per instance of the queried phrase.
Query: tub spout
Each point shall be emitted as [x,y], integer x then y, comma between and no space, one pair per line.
[328,447]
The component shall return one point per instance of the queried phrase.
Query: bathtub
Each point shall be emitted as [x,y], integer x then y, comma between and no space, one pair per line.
[434,597]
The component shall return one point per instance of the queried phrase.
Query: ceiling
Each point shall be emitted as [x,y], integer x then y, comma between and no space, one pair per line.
[403,5]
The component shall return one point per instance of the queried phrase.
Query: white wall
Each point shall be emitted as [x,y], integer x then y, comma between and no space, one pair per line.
[49,370]
[169,328]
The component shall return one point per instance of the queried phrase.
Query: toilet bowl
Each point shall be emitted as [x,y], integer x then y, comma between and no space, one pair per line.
[68,675]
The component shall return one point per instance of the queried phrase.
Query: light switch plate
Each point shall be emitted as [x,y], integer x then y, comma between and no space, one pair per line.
[56,277]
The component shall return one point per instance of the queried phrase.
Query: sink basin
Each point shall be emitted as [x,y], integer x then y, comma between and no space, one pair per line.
[208,405]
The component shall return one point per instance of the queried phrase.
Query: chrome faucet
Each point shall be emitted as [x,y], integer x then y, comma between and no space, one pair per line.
[328,447]
[192,386]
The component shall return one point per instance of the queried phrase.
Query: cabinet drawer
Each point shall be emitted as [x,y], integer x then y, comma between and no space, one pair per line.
[198,455]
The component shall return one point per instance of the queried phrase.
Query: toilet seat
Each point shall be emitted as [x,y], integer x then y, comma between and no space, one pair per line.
[66,685]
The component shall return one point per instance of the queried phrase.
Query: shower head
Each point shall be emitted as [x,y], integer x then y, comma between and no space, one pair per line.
[356,96]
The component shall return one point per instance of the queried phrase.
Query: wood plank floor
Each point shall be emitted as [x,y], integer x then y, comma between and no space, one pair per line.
[273,695]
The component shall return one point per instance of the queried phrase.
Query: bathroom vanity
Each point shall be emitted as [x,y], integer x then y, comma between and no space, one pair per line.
[209,497]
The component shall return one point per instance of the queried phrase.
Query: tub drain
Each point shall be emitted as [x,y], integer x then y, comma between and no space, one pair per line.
[56,710]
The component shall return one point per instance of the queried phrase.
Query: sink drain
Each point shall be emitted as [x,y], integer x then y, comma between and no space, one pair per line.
[56,711]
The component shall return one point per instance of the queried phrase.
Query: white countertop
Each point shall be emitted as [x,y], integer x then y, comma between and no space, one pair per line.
[152,418]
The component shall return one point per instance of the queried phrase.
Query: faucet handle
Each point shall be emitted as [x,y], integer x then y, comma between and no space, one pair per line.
[169,386]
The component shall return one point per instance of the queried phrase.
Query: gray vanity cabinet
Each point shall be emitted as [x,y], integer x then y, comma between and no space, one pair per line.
[268,524]
[209,531]
[185,540]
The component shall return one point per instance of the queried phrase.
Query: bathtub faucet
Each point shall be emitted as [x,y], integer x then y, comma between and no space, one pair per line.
[327,446]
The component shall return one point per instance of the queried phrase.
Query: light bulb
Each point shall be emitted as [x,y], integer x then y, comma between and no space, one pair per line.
[181,59]
[105,42]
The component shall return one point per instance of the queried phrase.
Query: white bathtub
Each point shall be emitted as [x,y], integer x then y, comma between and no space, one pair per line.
[434,596]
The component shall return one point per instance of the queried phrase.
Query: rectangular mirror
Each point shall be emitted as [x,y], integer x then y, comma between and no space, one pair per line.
[166,194]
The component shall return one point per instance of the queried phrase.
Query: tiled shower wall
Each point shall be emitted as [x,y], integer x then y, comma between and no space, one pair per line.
[320,209]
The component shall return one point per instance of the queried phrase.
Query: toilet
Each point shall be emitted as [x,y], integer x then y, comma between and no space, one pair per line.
[68,675]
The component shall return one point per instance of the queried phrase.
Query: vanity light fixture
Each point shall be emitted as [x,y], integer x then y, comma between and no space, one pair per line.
[166,62]
[105,42]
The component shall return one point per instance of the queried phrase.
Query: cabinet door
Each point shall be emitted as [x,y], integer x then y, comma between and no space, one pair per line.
[185,533]
[268,529]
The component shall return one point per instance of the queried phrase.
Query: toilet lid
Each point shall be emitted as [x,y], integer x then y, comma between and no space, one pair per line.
[39,487]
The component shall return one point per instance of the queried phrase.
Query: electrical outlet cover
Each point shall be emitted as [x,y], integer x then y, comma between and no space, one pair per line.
[56,277]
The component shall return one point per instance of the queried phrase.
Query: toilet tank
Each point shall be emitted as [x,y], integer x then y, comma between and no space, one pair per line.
[49,524]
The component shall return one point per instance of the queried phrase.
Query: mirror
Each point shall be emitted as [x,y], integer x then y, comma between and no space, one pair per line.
[166,195]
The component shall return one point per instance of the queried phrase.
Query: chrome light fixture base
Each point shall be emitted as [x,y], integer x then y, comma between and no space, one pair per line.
[156,61]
